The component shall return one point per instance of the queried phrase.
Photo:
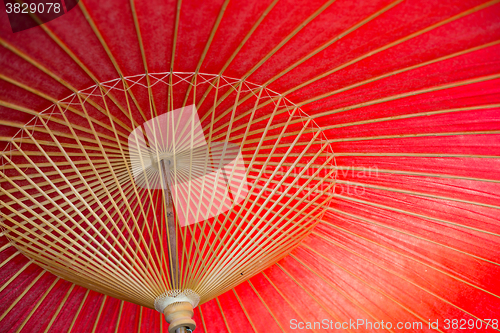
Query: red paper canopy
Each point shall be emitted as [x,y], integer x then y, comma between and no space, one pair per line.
[407,92]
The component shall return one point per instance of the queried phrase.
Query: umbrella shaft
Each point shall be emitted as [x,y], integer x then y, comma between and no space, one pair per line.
[172,239]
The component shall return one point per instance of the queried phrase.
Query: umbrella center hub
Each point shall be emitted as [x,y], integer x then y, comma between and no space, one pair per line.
[166,157]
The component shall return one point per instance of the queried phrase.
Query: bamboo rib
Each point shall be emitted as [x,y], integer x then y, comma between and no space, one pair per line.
[325,280]
[244,310]
[25,291]
[324,46]
[420,194]
[271,312]
[40,300]
[290,304]
[116,156]
[7,283]
[325,308]
[72,202]
[416,214]
[399,41]
[373,222]
[59,308]
[223,316]
[402,254]
[385,294]
[78,311]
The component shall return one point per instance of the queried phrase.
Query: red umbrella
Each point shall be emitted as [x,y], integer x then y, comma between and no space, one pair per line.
[407,94]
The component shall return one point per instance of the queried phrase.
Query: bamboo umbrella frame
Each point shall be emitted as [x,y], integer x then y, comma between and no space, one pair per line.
[82,215]
[420,243]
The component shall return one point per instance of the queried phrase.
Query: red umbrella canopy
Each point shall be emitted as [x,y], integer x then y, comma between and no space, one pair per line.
[407,94]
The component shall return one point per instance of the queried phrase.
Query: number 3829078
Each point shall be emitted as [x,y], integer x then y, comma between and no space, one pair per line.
[471,324]
[48,7]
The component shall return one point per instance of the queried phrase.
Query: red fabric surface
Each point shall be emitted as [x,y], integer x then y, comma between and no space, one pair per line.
[411,103]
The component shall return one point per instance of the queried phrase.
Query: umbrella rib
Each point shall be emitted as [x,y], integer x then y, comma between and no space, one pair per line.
[420,194]
[398,172]
[290,304]
[235,53]
[393,273]
[271,53]
[352,300]
[78,311]
[40,300]
[96,320]
[222,313]
[120,310]
[420,174]
[398,253]
[26,290]
[265,305]
[370,221]
[52,144]
[143,55]
[42,68]
[244,310]
[139,309]
[415,214]
[96,31]
[205,49]
[55,154]
[324,46]
[139,39]
[44,165]
[414,135]
[174,40]
[396,136]
[202,319]
[371,53]
[310,294]
[412,115]
[419,155]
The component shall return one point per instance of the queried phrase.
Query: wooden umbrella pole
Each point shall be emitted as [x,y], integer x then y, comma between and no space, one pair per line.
[172,239]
